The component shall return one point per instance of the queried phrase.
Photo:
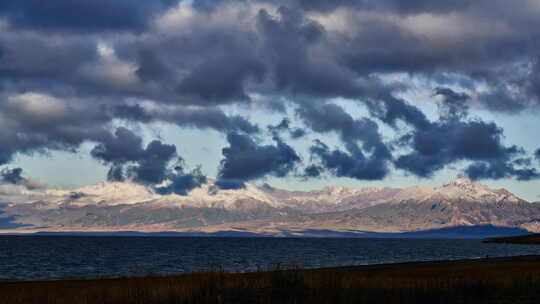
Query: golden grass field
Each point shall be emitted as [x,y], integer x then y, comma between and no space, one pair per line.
[500,280]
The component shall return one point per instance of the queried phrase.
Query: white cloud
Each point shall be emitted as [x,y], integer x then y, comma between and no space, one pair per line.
[184,18]
[451,27]
[38,106]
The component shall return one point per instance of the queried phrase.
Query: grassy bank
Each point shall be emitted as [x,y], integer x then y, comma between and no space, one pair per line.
[521,239]
[508,280]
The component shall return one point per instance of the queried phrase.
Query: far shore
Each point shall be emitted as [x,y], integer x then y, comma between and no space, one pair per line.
[532,239]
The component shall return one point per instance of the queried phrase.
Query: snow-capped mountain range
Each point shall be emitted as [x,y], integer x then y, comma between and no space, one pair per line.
[118,206]
[130,193]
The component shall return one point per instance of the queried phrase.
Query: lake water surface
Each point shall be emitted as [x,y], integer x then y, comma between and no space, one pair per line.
[55,257]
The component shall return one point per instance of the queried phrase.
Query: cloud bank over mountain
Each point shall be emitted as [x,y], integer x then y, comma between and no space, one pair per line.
[108,69]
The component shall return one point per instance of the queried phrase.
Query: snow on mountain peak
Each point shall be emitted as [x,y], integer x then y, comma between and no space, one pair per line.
[467,190]
[459,190]
[116,188]
[116,193]
[460,181]
[328,198]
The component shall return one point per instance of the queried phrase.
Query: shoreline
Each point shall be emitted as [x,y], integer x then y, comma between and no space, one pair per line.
[491,280]
[361,268]
[530,239]
[436,263]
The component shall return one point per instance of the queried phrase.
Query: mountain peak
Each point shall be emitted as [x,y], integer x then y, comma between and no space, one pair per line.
[460,181]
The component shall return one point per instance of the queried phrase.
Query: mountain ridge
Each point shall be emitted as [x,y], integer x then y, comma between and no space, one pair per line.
[115,206]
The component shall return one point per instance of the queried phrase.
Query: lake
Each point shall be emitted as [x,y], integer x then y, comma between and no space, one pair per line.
[55,257]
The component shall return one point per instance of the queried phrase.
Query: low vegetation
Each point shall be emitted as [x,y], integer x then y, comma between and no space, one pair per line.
[486,281]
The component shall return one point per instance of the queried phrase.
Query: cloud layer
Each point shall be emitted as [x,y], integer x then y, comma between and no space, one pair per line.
[69,79]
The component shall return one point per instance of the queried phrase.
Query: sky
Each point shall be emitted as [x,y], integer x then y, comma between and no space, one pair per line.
[299,94]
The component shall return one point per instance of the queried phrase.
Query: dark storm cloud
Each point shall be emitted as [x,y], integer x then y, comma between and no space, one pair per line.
[6,156]
[382,41]
[205,118]
[352,164]
[82,16]
[298,133]
[11,176]
[222,79]
[42,61]
[287,51]
[148,164]
[499,170]
[205,64]
[14,177]
[455,137]
[35,123]
[125,146]
[289,41]
[230,184]
[181,183]
[60,69]
[396,6]
[419,6]
[152,68]
[209,118]
[43,142]
[333,118]
[537,155]
[246,160]
[152,166]
[284,126]
[116,173]
[132,112]
[307,59]
[313,171]
[192,64]
[389,6]
[360,137]
[451,141]
[455,104]
[391,110]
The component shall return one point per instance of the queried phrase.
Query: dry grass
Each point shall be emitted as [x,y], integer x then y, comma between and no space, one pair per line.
[488,281]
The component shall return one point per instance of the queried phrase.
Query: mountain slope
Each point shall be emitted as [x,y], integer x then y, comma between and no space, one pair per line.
[458,203]
[332,198]
[130,206]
